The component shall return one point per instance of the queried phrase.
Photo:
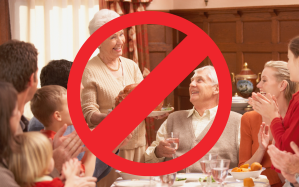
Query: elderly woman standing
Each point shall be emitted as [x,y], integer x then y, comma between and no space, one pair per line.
[104,77]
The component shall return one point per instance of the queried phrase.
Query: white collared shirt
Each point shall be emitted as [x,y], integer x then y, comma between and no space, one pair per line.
[199,123]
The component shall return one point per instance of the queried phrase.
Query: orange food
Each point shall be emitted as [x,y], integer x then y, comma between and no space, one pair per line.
[248,182]
[235,169]
[245,169]
[256,166]
[244,166]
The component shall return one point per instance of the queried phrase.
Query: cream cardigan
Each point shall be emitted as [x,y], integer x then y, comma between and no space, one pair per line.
[101,88]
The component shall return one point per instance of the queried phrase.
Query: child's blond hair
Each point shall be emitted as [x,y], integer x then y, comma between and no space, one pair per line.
[31,157]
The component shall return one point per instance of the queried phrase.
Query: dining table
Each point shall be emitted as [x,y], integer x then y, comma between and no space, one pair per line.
[229,181]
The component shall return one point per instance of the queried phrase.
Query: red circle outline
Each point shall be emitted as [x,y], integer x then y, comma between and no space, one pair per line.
[194,48]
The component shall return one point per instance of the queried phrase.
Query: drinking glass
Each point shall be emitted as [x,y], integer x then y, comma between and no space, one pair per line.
[205,165]
[173,138]
[168,179]
[219,170]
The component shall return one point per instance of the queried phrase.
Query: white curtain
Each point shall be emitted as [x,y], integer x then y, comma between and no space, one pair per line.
[57,28]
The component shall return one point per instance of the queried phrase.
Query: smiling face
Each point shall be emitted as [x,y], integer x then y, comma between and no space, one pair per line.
[112,47]
[201,88]
[269,83]
[293,66]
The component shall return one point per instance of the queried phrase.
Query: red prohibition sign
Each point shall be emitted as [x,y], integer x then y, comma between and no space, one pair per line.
[159,83]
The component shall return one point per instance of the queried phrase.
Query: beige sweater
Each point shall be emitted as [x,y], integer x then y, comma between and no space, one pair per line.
[227,146]
[101,88]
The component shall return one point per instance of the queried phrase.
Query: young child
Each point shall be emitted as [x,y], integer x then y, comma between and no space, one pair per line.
[49,106]
[32,161]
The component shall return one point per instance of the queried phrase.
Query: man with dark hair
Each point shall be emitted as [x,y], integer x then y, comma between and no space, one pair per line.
[56,72]
[18,65]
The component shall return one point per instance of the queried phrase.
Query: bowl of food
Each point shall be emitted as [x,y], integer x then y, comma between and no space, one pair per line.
[127,176]
[244,171]
[179,181]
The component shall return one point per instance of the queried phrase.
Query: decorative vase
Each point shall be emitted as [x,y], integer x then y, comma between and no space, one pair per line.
[245,81]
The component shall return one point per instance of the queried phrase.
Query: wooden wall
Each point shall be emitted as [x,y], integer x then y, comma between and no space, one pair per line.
[252,35]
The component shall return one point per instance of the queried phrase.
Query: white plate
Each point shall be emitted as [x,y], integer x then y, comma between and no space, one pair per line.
[243,175]
[159,113]
[240,184]
[131,183]
[127,176]
[191,177]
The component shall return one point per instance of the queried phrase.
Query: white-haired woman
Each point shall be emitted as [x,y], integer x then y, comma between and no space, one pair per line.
[104,77]
[275,80]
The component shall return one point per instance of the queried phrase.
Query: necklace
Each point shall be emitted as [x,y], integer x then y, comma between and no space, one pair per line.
[110,67]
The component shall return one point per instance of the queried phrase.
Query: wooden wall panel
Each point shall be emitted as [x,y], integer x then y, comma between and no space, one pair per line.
[257,32]
[288,29]
[283,56]
[153,37]
[160,39]
[223,32]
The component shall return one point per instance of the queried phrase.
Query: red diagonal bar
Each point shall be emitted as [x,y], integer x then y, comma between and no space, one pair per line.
[150,92]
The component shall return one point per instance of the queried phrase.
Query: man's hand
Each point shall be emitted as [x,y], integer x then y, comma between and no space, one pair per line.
[66,147]
[164,150]
[284,161]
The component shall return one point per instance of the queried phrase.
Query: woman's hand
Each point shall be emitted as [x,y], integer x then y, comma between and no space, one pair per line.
[263,137]
[265,105]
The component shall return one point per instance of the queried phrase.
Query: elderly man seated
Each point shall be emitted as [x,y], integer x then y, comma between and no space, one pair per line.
[195,123]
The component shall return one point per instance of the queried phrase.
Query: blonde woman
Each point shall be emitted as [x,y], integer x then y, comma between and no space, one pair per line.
[32,162]
[275,80]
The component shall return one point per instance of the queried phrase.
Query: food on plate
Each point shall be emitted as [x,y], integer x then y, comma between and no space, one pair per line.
[180,179]
[205,179]
[168,108]
[248,182]
[128,89]
[256,166]
[244,168]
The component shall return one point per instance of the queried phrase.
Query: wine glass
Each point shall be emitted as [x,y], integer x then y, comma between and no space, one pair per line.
[167,179]
[205,165]
[173,138]
[219,170]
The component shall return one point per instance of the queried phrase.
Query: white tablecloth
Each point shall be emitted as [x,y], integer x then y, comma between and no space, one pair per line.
[198,184]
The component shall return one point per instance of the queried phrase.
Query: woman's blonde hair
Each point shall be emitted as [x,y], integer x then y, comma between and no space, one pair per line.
[282,73]
[31,157]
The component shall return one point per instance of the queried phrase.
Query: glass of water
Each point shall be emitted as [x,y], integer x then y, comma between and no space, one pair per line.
[219,170]
[205,165]
[174,139]
[166,180]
